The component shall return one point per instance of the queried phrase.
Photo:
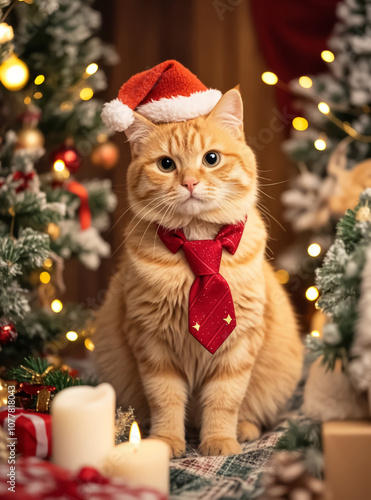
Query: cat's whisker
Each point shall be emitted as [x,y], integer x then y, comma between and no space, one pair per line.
[133,205]
[140,220]
[172,205]
[151,221]
[268,214]
[143,216]
[265,194]
[275,183]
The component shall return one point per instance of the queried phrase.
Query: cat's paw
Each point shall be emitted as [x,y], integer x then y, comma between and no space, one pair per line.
[247,431]
[219,446]
[177,446]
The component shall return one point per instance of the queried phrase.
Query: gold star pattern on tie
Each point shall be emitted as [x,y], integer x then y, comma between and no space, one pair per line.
[228,319]
[197,326]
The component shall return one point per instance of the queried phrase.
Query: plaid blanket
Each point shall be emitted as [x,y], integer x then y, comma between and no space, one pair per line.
[236,477]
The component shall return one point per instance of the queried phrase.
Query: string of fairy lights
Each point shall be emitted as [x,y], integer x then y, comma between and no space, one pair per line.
[300,124]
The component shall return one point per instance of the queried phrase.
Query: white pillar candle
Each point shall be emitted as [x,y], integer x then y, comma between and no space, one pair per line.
[83,426]
[142,463]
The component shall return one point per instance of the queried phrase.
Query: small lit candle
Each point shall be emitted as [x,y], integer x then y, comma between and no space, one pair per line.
[142,463]
[83,426]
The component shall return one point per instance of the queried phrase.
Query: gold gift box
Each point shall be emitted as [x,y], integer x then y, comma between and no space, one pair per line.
[347,449]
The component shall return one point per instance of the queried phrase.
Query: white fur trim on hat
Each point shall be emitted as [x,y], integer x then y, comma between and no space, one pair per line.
[117,116]
[180,108]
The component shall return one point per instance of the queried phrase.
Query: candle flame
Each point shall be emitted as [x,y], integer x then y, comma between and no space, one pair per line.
[134,436]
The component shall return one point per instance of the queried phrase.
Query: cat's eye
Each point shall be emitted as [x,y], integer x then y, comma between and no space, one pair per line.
[211,159]
[166,164]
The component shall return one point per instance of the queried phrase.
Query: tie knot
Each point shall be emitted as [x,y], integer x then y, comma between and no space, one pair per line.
[203,256]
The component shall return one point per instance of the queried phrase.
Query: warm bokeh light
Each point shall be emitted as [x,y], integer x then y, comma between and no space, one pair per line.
[72,336]
[44,277]
[27,100]
[59,165]
[305,82]
[269,78]
[86,93]
[39,79]
[91,69]
[300,123]
[314,250]
[315,333]
[37,95]
[89,345]
[320,144]
[14,73]
[102,138]
[282,276]
[6,33]
[53,230]
[66,106]
[327,56]
[324,108]
[134,436]
[48,263]
[56,306]
[312,293]
[65,173]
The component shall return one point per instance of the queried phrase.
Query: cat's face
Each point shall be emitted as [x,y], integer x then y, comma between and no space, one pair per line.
[200,169]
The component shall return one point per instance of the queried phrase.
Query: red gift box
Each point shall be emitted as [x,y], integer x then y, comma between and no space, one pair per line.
[33,431]
[34,479]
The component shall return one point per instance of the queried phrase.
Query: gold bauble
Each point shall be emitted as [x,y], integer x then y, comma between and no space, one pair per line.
[105,155]
[30,138]
[4,391]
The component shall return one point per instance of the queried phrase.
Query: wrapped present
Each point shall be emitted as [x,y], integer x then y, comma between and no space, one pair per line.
[32,431]
[347,449]
[34,479]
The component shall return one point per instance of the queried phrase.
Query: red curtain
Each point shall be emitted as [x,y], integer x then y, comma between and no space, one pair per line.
[292,34]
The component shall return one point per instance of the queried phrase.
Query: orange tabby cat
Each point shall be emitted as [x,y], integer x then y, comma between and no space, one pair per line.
[143,347]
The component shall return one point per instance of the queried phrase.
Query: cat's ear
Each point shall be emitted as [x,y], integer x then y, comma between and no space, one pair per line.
[228,112]
[139,129]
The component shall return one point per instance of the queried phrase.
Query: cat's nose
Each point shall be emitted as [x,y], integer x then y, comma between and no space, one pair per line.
[190,183]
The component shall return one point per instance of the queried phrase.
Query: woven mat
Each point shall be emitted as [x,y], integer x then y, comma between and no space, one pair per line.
[235,477]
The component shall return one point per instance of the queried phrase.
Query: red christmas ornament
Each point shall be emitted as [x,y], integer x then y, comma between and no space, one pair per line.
[31,116]
[105,155]
[70,157]
[8,333]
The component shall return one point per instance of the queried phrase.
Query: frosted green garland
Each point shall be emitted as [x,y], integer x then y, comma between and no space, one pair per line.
[339,281]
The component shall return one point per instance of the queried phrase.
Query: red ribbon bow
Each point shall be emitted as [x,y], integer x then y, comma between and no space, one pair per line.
[84,210]
[24,178]
[211,315]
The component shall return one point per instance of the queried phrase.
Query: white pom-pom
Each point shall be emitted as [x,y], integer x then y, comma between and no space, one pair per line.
[117,116]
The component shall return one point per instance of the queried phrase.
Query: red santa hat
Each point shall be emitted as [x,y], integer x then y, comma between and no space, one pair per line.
[169,92]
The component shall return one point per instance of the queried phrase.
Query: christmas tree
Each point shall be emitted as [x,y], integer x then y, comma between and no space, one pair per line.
[330,142]
[49,73]
[345,284]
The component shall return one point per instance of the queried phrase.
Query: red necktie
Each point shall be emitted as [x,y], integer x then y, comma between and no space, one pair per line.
[211,316]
